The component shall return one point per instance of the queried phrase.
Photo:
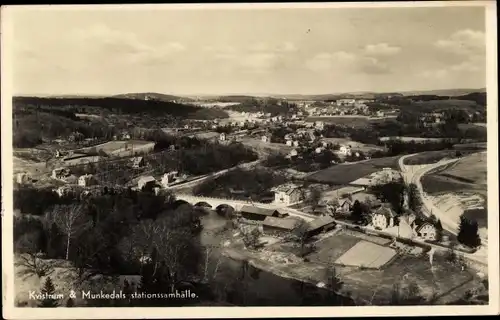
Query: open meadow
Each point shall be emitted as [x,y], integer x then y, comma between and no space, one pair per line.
[342,174]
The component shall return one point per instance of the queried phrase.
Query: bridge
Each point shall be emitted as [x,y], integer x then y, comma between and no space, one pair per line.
[217,203]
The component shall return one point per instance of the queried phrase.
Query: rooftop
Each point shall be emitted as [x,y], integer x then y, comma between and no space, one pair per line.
[146,179]
[287,224]
[257,210]
[287,188]
[386,211]
[320,222]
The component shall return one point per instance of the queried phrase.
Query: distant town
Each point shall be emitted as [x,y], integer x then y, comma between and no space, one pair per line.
[363,199]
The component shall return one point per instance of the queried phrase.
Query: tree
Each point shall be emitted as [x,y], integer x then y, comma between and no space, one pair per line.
[414,200]
[31,258]
[70,303]
[314,197]
[300,234]
[48,291]
[71,220]
[251,238]
[393,193]
[468,233]
[439,229]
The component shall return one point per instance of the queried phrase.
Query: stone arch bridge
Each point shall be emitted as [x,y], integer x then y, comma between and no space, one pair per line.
[217,203]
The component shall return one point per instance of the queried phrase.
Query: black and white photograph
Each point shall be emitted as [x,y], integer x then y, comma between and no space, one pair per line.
[177,158]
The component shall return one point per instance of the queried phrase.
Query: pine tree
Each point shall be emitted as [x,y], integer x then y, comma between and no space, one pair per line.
[48,290]
[70,303]
[468,232]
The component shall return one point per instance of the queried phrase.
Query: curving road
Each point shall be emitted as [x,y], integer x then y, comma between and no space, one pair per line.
[413,174]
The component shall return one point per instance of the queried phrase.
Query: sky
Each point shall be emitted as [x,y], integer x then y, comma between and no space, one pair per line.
[262,51]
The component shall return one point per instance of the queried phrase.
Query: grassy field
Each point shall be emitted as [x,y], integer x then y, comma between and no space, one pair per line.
[446,104]
[330,249]
[122,148]
[355,145]
[264,148]
[346,173]
[472,168]
[466,175]
[429,157]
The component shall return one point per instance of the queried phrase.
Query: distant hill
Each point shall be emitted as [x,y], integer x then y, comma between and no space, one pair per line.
[153,96]
[444,92]
[123,105]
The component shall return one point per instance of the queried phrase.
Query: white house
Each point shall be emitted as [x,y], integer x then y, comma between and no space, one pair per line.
[296,143]
[137,162]
[380,113]
[289,143]
[345,150]
[345,205]
[222,137]
[319,150]
[293,153]
[146,181]
[86,180]
[168,178]
[60,173]
[266,138]
[424,229]
[288,136]
[287,194]
[320,125]
[23,177]
[383,218]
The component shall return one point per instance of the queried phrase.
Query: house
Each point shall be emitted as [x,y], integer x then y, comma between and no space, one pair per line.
[62,191]
[320,125]
[312,136]
[289,143]
[146,181]
[168,178]
[256,213]
[424,229]
[23,177]
[222,137]
[58,154]
[383,217]
[137,162]
[86,180]
[345,150]
[293,153]
[380,113]
[325,144]
[287,194]
[296,143]
[288,137]
[278,226]
[266,138]
[126,136]
[345,205]
[321,224]
[60,173]
[319,149]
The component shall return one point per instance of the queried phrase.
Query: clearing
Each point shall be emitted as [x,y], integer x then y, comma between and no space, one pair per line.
[429,157]
[122,148]
[330,249]
[343,174]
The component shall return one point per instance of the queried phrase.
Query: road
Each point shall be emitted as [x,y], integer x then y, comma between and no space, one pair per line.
[413,174]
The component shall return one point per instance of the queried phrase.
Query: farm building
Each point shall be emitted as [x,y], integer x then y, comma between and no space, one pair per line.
[321,224]
[138,162]
[383,218]
[287,194]
[222,137]
[86,180]
[146,181]
[256,213]
[289,143]
[278,226]
[345,150]
[424,229]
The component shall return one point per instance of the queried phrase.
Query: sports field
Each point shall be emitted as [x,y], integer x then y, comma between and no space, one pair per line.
[367,254]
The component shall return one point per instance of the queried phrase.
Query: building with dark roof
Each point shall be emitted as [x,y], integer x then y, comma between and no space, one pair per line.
[278,226]
[321,224]
[256,213]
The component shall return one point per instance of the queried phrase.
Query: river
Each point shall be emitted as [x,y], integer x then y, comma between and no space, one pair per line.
[247,286]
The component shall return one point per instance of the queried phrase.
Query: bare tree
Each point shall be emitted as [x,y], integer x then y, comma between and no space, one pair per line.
[31,258]
[71,219]
[314,197]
